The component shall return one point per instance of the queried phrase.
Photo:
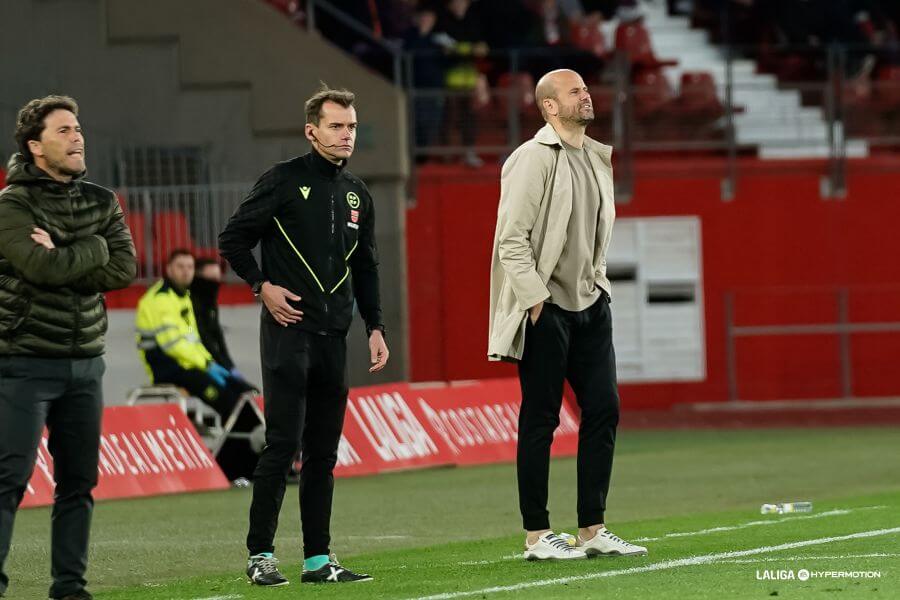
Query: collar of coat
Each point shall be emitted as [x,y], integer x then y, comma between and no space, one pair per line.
[548,136]
[323,166]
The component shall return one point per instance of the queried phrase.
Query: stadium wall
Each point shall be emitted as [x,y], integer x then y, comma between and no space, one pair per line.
[227,77]
[778,247]
[230,77]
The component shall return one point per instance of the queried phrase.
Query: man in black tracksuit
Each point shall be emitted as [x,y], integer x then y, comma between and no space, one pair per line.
[315,222]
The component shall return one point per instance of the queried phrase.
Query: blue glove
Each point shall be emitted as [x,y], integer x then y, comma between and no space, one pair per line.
[217,373]
[235,374]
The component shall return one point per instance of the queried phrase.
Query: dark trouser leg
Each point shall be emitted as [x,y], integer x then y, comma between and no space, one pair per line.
[285,362]
[74,426]
[235,457]
[468,123]
[325,407]
[425,120]
[541,374]
[26,388]
[199,384]
[592,374]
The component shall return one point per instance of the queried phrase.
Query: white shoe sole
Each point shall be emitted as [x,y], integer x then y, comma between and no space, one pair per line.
[532,556]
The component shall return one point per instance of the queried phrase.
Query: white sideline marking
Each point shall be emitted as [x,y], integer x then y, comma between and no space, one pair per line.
[504,558]
[740,561]
[228,597]
[668,564]
[377,538]
[827,513]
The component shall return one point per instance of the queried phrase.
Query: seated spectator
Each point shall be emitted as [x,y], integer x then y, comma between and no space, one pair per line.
[511,24]
[397,16]
[173,353]
[466,84]
[205,300]
[426,46]
[566,25]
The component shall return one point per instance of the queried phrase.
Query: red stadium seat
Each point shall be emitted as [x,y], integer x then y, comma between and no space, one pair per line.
[632,37]
[652,92]
[136,223]
[587,35]
[698,95]
[170,231]
[887,89]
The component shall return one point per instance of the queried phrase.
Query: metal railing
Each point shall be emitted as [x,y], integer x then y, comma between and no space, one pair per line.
[385,55]
[744,105]
[163,218]
[843,327]
[117,164]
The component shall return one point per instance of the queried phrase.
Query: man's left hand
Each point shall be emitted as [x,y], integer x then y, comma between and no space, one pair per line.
[378,351]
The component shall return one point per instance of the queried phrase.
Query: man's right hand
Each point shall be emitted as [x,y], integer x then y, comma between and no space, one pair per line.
[275,298]
[535,312]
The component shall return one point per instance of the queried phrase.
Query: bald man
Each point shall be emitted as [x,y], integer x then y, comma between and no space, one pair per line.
[550,311]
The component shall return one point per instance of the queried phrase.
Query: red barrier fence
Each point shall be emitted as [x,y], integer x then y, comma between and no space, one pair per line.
[148,449]
[144,451]
[401,426]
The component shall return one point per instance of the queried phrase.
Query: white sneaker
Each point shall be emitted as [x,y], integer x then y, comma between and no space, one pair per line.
[552,546]
[606,543]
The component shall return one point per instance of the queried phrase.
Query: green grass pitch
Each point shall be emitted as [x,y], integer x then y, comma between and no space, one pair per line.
[694,496]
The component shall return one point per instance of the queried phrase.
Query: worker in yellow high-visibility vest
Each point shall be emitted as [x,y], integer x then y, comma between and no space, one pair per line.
[172,352]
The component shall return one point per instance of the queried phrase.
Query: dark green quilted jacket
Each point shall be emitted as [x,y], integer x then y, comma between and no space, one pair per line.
[51,302]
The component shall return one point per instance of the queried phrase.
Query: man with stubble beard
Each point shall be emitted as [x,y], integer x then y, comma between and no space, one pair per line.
[63,242]
[550,311]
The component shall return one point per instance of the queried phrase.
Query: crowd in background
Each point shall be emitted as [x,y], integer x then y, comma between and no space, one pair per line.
[461,49]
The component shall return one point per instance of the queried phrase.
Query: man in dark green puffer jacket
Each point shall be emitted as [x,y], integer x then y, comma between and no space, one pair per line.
[63,242]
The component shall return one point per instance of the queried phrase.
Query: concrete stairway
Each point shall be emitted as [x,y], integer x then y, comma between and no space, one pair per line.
[773,119]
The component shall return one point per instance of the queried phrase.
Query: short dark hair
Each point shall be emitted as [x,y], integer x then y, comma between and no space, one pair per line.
[30,120]
[325,94]
[203,261]
[175,253]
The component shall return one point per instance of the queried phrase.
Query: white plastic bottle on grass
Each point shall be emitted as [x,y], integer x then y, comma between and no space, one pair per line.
[786,507]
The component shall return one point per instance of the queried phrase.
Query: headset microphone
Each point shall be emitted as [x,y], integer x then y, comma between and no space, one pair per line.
[320,143]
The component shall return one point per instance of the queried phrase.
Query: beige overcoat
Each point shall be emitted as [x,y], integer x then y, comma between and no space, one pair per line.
[535,205]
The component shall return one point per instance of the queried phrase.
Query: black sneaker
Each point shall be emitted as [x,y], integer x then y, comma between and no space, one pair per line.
[262,569]
[333,572]
[80,595]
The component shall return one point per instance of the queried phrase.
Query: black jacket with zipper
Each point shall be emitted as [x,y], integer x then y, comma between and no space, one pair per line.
[316,224]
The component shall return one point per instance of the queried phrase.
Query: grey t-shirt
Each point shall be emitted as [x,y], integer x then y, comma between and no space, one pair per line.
[572,286]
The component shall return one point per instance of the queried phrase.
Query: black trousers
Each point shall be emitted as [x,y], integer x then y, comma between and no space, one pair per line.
[304,383]
[236,458]
[66,396]
[573,346]
[199,384]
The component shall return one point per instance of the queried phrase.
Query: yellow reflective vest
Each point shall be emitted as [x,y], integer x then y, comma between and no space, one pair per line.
[165,323]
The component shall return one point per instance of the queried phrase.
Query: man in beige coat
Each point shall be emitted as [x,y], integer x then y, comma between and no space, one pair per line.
[550,311]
